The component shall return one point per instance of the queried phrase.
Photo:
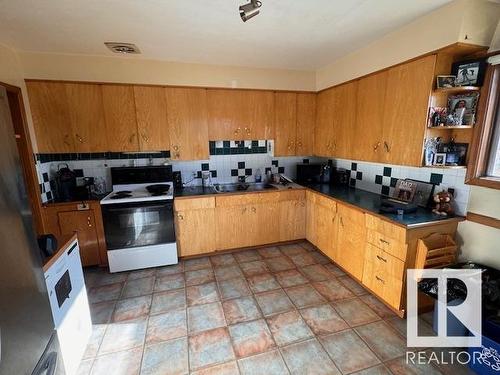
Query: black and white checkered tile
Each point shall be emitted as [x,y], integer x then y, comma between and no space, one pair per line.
[237,147]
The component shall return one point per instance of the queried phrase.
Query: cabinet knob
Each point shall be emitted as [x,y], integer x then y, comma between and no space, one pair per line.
[131,138]
[254,210]
[237,131]
[145,138]
[176,148]
[377,145]
[66,139]
[299,143]
[247,130]
[80,139]
[180,217]
[89,222]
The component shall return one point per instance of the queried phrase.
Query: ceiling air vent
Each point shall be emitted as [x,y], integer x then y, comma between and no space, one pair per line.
[122,47]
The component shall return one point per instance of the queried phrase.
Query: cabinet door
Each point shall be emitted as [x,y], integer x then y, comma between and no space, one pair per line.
[83,223]
[187,123]
[87,117]
[285,122]
[51,119]
[323,132]
[367,134]
[195,231]
[306,116]
[292,220]
[344,119]
[151,112]
[240,114]
[326,226]
[405,112]
[234,227]
[264,226]
[121,122]
[311,230]
[351,240]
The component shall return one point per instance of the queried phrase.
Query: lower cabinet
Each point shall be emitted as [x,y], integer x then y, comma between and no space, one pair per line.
[292,215]
[321,222]
[85,220]
[195,225]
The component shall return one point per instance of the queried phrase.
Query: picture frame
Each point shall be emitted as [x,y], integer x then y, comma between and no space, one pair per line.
[437,117]
[446,82]
[424,193]
[456,153]
[462,109]
[440,158]
[404,190]
[469,72]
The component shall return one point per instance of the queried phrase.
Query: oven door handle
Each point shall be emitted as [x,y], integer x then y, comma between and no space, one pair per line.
[167,206]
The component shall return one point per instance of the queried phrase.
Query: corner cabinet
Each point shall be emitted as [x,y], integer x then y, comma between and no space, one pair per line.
[380,117]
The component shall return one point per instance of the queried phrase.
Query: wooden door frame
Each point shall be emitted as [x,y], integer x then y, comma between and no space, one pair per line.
[26,155]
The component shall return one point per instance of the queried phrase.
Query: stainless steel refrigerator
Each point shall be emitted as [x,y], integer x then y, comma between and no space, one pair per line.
[28,344]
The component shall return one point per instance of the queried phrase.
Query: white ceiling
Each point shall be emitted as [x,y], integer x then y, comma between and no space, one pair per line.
[290,34]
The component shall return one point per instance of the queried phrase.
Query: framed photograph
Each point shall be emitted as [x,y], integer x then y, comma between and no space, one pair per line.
[424,192]
[462,109]
[405,190]
[469,72]
[456,153]
[445,82]
[437,116]
[440,158]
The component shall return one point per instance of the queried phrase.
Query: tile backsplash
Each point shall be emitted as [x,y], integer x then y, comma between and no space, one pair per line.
[226,165]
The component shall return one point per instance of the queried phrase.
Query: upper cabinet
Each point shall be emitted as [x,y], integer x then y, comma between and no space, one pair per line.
[306,116]
[406,105]
[378,118]
[121,121]
[323,134]
[187,122]
[51,119]
[87,117]
[151,113]
[285,122]
[240,114]
[294,123]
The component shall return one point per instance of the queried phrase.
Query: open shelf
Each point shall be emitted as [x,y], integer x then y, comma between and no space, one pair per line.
[457,90]
[446,166]
[451,127]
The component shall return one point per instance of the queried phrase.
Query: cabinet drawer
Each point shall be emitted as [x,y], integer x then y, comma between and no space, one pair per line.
[388,244]
[247,199]
[383,285]
[386,228]
[384,262]
[186,204]
[292,195]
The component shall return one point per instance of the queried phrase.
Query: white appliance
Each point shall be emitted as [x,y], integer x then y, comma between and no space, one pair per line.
[69,305]
[138,218]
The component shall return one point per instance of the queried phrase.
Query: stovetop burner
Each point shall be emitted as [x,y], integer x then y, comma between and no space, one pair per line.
[123,192]
[121,195]
[158,188]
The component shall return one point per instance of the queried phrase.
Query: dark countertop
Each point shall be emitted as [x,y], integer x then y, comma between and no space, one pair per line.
[90,198]
[371,202]
[364,200]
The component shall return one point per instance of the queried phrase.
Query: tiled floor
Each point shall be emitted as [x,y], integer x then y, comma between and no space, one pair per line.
[275,310]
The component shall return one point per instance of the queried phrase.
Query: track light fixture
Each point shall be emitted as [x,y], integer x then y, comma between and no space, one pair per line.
[250,10]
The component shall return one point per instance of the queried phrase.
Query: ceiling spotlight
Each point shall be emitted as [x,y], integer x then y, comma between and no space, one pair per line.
[250,10]
[122,47]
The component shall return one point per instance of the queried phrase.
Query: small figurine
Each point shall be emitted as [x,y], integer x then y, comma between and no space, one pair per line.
[443,204]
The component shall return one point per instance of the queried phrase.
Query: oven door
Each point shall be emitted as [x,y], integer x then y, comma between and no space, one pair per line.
[137,224]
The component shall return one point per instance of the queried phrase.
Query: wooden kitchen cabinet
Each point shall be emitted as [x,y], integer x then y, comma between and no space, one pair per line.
[323,132]
[87,117]
[285,122]
[292,217]
[51,116]
[406,106]
[351,238]
[187,123]
[367,132]
[321,223]
[151,112]
[344,119]
[306,117]
[240,114]
[121,121]
[195,225]
[84,219]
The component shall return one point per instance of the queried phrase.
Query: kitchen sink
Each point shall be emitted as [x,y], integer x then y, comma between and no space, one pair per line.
[232,188]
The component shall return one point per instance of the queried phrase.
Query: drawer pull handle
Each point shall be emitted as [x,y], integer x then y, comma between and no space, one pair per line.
[382,259]
[384,241]
[380,279]
[254,209]
[180,217]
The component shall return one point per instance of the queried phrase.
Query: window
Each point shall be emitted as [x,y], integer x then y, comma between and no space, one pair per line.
[493,169]
[484,162]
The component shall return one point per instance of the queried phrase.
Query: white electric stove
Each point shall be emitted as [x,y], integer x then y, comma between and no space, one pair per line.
[138,218]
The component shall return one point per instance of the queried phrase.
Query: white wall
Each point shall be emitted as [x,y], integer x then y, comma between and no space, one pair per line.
[469,21]
[130,69]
